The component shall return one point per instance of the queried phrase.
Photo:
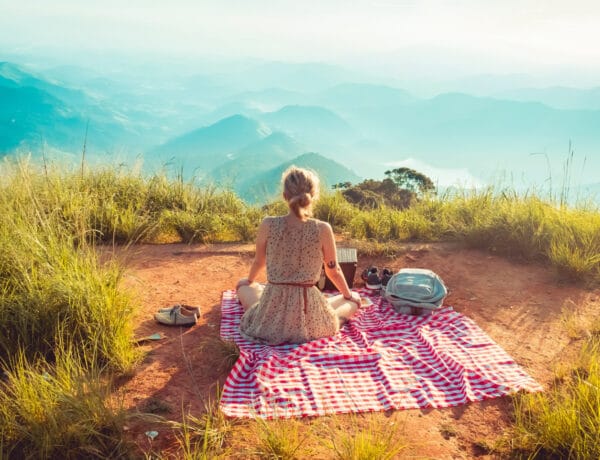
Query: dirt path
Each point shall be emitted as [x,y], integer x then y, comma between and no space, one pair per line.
[520,306]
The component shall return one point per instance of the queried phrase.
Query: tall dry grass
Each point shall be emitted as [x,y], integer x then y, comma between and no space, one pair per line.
[521,226]
[66,318]
[563,422]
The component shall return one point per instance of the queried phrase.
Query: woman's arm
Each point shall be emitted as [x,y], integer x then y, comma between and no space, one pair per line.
[332,268]
[260,257]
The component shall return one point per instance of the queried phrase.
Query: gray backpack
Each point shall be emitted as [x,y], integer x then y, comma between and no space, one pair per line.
[415,291]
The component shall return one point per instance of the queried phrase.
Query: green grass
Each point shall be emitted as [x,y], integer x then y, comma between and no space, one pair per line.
[563,422]
[280,439]
[61,410]
[66,318]
[204,437]
[200,437]
[52,287]
[378,440]
[223,354]
[524,227]
[122,206]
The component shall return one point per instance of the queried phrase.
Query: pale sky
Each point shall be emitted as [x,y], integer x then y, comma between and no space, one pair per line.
[501,36]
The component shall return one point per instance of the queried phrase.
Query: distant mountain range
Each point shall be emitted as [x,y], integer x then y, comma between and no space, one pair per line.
[558,97]
[257,158]
[209,147]
[35,112]
[241,128]
[315,125]
[356,96]
[265,186]
[243,154]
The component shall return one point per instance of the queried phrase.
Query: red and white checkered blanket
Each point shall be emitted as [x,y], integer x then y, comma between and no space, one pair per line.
[380,360]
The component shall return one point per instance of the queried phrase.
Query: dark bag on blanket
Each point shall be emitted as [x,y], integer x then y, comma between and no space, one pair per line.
[415,291]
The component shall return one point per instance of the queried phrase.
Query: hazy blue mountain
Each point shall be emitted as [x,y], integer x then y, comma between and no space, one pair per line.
[31,117]
[155,106]
[477,123]
[349,96]
[270,99]
[258,112]
[304,77]
[205,87]
[14,76]
[483,134]
[208,147]
[230,109]
[267,185]
[484,85]
[559,97]
[256,158]
[75,76]
[313,125]
[36,112]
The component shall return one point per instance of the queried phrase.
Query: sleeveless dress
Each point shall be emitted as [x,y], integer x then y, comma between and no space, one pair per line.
[291,308]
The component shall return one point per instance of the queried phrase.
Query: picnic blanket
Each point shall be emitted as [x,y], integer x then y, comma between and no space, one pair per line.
[379,360]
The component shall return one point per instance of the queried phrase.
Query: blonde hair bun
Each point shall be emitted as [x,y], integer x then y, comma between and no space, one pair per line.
[304,200]
[300,189]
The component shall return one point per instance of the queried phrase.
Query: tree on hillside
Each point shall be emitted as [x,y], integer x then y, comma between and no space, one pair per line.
[342,185]
[399,190]
[409,179]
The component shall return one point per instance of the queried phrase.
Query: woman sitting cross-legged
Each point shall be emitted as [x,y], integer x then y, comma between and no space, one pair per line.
[293,248]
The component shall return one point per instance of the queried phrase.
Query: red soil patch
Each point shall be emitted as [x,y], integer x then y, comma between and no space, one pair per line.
[520,306]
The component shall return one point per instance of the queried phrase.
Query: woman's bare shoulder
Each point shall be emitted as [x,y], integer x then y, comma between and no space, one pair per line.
[322,225]
[270,219]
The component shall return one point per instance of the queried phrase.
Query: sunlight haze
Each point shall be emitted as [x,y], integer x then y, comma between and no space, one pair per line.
[458,37]
[470,92]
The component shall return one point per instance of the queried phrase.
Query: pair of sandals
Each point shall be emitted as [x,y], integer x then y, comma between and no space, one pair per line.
[178,315]
[373,280]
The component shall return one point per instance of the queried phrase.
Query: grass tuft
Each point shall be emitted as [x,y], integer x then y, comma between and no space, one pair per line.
[221,355]
[204,437]
[53,286]
[378,440]
[563,422]
[62,409]
[280,439]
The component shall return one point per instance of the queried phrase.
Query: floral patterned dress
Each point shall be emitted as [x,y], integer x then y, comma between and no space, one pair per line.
[291,308]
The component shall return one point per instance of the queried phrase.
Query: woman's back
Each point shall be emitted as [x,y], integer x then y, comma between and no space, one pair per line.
[292,248]
[291,308]
[293,251]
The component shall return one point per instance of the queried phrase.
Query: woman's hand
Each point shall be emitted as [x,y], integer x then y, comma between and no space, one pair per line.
[242,282]
[355,298]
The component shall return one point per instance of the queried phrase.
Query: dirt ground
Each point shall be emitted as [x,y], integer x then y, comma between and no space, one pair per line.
[521,306]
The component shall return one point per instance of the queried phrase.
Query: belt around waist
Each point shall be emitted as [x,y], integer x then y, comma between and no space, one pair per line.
[302,285]
[305,287]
